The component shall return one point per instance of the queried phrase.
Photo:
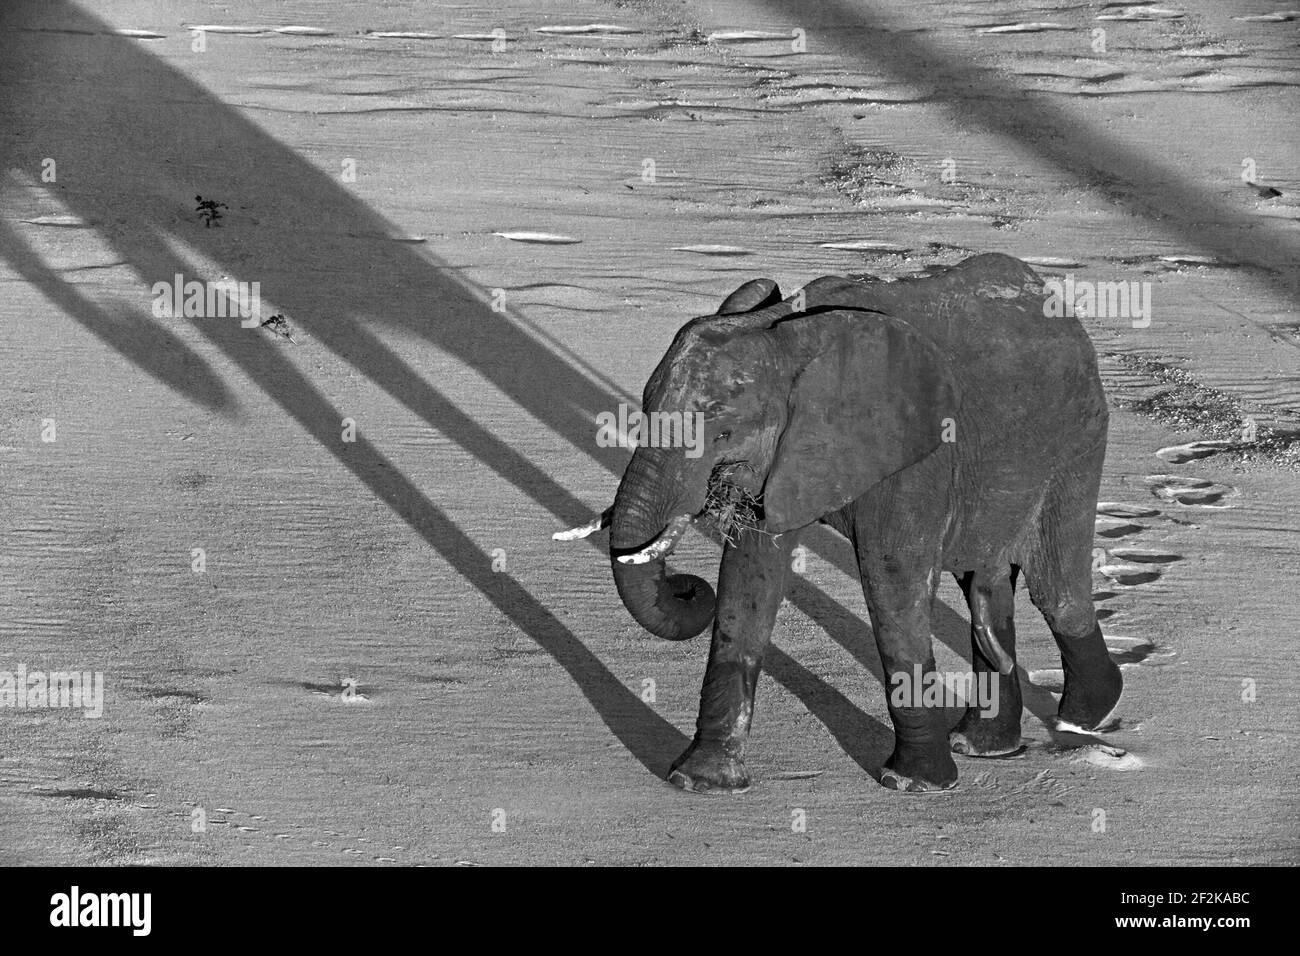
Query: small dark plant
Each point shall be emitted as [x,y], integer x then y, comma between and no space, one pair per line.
[209,210]
[279,325]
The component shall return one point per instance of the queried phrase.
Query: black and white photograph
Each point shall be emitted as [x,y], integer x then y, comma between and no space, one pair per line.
[650,433]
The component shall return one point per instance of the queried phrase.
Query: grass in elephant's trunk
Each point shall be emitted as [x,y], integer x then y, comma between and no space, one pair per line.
[730,507]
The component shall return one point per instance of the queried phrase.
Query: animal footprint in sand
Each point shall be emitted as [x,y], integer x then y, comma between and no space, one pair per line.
[539,238]
[1112,758]
[1131,651]
[1050,679]
[1129,574]
[594,28]
[1117,509]
[1133,565]
[744,36]
[1192,451]
[865,245]
[1142,11]
[715,250]
[402,35]
[1035,27]
[1107,527]
[1145,555]
[1199,492]
[1279,16]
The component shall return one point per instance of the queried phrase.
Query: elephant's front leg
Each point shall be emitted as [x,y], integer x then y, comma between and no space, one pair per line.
[751,584]
[899,596]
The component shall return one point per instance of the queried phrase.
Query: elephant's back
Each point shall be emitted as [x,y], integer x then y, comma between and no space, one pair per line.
[1029,383]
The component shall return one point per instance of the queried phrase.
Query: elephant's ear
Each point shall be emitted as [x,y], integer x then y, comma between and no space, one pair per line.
[754,294]
[870,396]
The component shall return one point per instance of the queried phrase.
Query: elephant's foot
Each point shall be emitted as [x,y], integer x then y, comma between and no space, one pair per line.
[709,768]
[979,736]
[1088,702]
[916,771]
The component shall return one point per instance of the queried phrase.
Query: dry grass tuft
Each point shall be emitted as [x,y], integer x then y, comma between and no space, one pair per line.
[729,507]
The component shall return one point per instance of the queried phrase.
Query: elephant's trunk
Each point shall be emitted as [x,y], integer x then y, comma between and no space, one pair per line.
[675,607]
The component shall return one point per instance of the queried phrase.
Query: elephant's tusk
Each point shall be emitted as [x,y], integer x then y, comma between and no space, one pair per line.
[662,546]
[992,648]
[591,527]
[985,639]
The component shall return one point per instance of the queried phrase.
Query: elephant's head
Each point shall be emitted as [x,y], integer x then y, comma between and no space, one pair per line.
[802,412]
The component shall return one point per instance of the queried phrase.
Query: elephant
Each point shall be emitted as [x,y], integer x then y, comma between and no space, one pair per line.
[945,422]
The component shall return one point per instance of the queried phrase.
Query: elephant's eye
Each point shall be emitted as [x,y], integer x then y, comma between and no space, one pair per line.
[722,436]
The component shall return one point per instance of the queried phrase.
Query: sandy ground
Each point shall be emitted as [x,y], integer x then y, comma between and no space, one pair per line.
[496,677]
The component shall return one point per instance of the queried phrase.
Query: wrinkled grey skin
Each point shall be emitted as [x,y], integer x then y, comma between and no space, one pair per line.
[839,411]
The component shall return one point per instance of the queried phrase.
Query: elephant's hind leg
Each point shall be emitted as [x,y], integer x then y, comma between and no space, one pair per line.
[1059,576]
[991,725]
[751,584]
